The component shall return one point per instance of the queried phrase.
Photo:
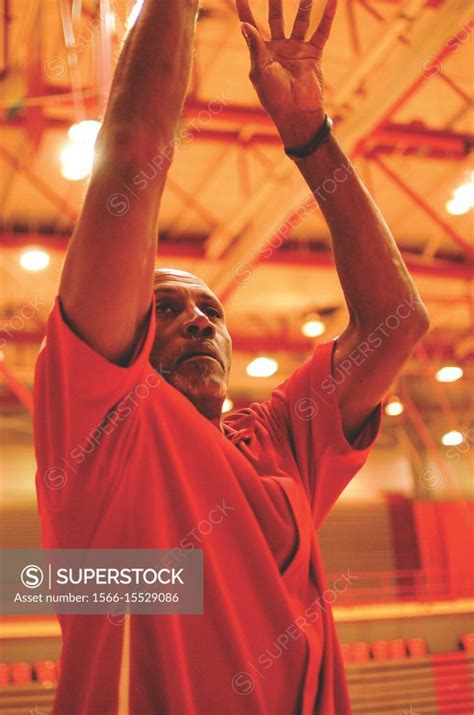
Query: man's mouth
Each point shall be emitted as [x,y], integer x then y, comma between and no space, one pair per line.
[199,355]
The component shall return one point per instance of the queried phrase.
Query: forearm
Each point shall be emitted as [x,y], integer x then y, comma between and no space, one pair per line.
[152,74]
[372,272]
[106,282]
[287,75]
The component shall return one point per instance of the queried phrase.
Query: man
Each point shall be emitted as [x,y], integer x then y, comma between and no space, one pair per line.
[147,355]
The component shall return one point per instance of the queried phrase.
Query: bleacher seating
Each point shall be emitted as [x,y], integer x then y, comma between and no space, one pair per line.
[387,650]
[370,523]
[392,677]
[397,648]
[416,647]
[4,674]
[46,671]
[359,652]
[467,642]
[34,697]
[440,684]
[364,537]
[415,683]
[26,688]
[379,650]
[21,673]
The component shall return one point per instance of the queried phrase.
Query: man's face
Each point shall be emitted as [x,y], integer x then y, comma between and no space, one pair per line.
[192,347]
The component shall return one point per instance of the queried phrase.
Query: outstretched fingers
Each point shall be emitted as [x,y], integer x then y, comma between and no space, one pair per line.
[302,20]
[323,30]
[258,52]
[245,13]
[275,19]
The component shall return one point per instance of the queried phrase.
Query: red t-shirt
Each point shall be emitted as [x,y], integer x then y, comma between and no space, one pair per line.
[126,461]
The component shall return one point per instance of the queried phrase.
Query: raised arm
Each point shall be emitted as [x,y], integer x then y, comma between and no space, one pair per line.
[106,283]
[387,317]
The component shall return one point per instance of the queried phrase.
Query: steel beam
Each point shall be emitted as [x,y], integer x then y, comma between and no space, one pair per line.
[424,207]
[413,138]
[23,168]
[286,256]
[286,188]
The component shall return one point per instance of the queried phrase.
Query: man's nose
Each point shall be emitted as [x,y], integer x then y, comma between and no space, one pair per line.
[199,326]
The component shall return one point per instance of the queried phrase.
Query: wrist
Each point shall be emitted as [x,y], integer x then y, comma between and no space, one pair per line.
[301,152]
[299,129]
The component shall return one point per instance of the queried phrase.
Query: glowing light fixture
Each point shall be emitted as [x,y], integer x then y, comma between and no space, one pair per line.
[463,199]
[262,367]
[132,18]
[466,192]
[394,407]
[110,22]
[76,164]
[228,405]
[313,326]
[77,157]
[34,260]
[449,373]
[84,132]
[451,439]
[456,207]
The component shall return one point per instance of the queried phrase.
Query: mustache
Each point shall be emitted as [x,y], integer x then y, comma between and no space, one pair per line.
[199,347]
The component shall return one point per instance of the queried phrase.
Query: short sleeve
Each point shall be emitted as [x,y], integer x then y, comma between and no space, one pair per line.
[75,387]
[304,412]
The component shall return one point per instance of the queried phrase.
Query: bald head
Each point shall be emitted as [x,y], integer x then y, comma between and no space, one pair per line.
[163,275]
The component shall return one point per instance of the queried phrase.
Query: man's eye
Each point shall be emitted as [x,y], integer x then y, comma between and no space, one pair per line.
[212,312]
[164,307]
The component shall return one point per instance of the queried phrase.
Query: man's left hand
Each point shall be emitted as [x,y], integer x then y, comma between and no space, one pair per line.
[286,72]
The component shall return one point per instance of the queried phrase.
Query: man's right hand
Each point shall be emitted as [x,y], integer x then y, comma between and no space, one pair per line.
[106,283]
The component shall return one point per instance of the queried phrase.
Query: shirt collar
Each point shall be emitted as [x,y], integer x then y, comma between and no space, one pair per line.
[244,428]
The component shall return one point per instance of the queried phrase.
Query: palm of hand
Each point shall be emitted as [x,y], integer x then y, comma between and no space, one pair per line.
[289,75]
[286,73]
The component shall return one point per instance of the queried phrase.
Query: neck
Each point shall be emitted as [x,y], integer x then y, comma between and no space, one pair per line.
[216,421]
[210,409]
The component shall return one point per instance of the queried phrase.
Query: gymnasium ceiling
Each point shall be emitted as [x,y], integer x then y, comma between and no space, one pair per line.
[399,87]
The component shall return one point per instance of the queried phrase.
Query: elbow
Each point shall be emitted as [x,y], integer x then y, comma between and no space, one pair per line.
[407,323]
[133,145]
[418,323]
[424,320]
[115,144]
[113,136]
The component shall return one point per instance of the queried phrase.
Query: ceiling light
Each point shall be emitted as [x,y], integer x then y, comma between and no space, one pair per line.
[132,18]
[228,405]
[77,157]
[465,192]
[34,260]
[84,132]
[394,407]
[449,373]
[455,207]
[451,439]
[262,367]
[76,161]
[110,22]
[313,326]
[463,199]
